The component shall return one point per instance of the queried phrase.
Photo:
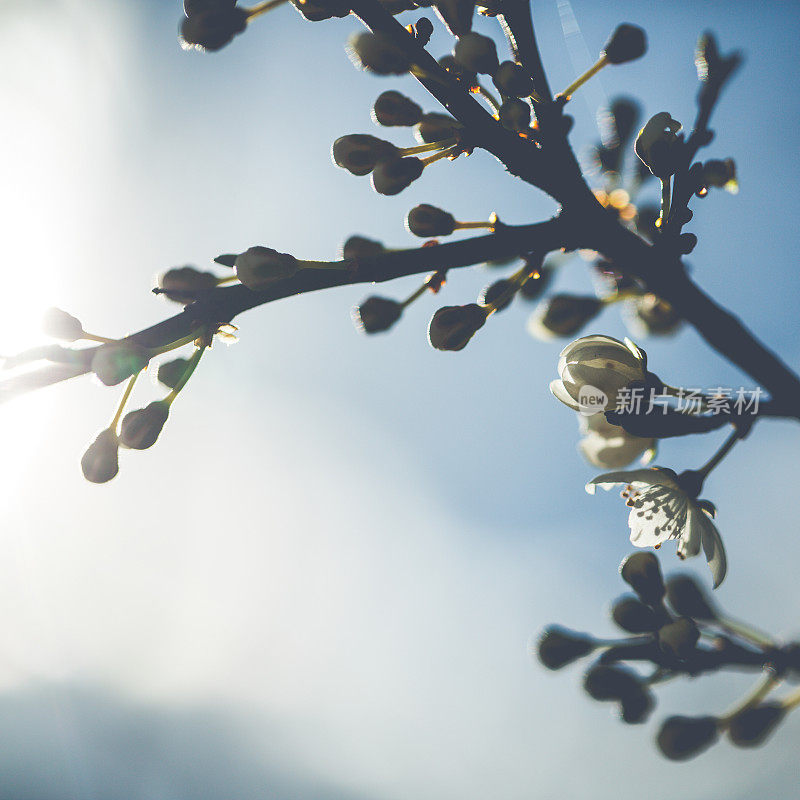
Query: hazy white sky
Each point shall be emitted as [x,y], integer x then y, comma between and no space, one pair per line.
[323,580]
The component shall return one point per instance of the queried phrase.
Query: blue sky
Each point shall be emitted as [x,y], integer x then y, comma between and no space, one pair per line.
[323,579]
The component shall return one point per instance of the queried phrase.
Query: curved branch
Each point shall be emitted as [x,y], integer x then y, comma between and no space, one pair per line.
[222,305]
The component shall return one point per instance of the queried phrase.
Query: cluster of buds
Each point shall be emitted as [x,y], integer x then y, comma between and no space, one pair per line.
[392,168]
[211,24]
[676,631]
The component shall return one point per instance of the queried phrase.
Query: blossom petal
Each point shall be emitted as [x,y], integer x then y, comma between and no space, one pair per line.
[650,476]
[689,544]
[560,393]
[714,550]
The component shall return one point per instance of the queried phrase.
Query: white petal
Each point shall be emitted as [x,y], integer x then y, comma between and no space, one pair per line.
[651,476]
[714,550]
[612,452]
[560,393]
[689,544]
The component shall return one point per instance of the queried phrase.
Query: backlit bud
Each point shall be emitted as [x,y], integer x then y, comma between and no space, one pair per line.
[649,315]
[185,284]
[477,53]
[636,707]
[361,247]
[100,461]
[452,327]
[456,15]
[377,314]
[426,221]
[515,115]
[534,287]
[393,175]
[688,599]
[260,267]
[624,116]
[318,10]
[59,325]
[658,145]
[170,372]
[558,647]
[393,109]
[563,315]
[212,29]
[751,727]
[397,6]
[610,683]
[632,615]
[458,71]
[682,738]
[113,363]
[358,153]
[501,292]
[512,80]
[140,428]
[721,174]
[377,53]
[642,573]
[435,127]
[679,638]
[627,43]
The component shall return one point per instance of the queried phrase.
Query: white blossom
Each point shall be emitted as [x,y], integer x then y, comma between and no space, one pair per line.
[610,446]
[661,510]
[597,362]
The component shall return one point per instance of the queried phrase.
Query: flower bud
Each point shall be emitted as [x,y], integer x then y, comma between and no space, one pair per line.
[358,153]
[477,53]
[319,10]
[535,286]
[397,6]
[682,738]
[515,115]
[563,315]
[632,615]
[751,727]
[720,174]
[649,315]
[426,221]
[376,52]
[658,145]
[140,428]
[458,71]
[393,109]
[627,43]
[393,175]
[435,127]
[259,267]
[100,461]
[688,599]
[113,363]
[611,683]
[361,247]
[636,707]
[711,65]
[642,573]
[558,646]
[184,284]
[512,80]
[679,638]
[212,29]
[377,314]
[170,372]
[59,324]
[452,327]
[624,116]
[495,291]
[456,15]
